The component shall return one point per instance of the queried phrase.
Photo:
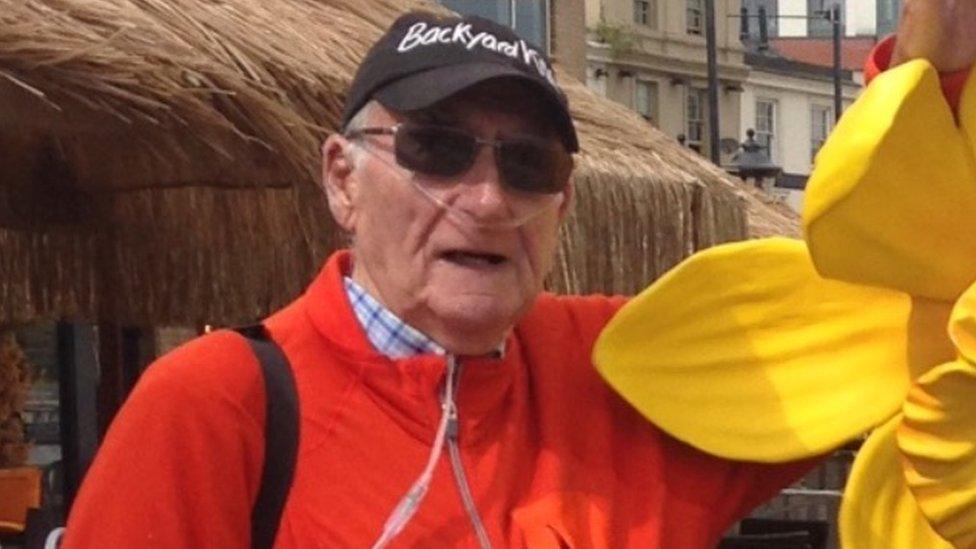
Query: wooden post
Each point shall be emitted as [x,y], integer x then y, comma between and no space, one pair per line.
[78,374]
[123,353]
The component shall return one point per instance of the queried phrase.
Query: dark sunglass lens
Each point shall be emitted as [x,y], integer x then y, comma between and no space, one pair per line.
[532,166]
[433,150]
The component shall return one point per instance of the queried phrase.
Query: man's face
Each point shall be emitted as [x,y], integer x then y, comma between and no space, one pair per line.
[464,281]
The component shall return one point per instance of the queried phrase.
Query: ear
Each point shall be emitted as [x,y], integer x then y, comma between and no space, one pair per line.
[568,196]
[339,181]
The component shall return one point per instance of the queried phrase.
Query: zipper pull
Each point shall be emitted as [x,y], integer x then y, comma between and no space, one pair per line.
[451,385]
[452,424]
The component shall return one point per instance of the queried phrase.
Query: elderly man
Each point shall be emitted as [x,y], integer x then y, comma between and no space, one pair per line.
[444,400]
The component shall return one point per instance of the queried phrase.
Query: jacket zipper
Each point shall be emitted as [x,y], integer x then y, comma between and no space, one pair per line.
[447,434]
[454,453]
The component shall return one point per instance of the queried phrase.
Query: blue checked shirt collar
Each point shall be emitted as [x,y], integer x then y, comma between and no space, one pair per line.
[388,334]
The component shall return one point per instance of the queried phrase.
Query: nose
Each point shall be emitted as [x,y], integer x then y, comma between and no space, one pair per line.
[481,192]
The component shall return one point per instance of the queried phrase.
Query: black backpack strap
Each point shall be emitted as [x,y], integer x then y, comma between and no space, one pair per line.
[280,435]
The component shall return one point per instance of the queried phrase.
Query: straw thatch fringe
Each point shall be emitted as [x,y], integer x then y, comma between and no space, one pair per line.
[147,263]
[625,230]
[158,162]
[221,272]
[46,275]
[621,140]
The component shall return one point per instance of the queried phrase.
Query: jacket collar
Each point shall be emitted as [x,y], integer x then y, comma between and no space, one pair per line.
[408,388]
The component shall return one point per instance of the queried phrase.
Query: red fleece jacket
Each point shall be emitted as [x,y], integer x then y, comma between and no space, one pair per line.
[554,457]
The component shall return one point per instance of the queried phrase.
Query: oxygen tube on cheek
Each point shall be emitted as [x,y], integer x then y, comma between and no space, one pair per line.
[532,208]
[465,218]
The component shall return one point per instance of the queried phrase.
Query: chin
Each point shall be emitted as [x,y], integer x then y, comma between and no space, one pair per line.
[480,317]
[479,311]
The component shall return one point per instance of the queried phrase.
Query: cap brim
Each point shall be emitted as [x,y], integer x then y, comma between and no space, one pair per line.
[426,88]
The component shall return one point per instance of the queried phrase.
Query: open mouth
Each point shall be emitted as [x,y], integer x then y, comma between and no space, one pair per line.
[468,258]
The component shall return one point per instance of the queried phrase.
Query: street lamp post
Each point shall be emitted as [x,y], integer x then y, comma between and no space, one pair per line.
[751,162]
[835,26]
[710,49]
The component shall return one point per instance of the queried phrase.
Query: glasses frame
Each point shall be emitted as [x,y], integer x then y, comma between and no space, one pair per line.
[497,145]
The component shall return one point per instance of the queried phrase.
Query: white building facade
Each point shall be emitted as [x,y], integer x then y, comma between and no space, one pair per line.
[650,56]
[791,107]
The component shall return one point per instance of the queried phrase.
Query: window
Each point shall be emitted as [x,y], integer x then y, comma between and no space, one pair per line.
[529,18]
[772,17]
[766,126]
[819,13]
[596,80]
[645,13]
[645,100]
[694,16]
[496,10]
[887,16]
[695,119]
[821,121]
[532,21]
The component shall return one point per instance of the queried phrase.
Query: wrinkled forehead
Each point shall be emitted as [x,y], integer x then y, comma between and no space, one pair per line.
[523,105]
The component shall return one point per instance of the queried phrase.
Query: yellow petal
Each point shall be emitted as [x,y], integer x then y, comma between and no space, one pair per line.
[962,324]
[892,198]
[938,439]
[938,435]
[745,352]
[928,343]
[967,110]
[878,511]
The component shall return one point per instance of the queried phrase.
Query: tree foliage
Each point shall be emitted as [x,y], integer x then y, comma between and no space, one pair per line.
[15,379]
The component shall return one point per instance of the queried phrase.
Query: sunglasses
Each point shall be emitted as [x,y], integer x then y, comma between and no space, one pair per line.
[525,163]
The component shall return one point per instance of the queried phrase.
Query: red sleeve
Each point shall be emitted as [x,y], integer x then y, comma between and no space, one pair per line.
[724,490]
[880,59]
[180,465]
[705,494]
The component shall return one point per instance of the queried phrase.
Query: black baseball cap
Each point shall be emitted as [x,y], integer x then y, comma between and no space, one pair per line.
[425,58]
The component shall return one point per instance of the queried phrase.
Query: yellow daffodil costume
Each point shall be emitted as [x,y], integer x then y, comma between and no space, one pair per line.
[773,350]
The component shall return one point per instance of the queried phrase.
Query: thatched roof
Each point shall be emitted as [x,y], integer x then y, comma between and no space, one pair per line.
[158,161]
